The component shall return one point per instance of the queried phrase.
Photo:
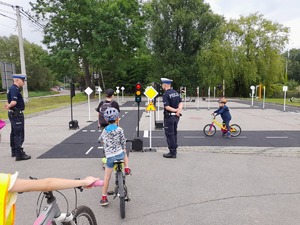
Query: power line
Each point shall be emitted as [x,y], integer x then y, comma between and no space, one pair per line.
[7,16]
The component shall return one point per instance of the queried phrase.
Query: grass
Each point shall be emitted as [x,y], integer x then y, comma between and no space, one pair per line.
[35,105]
[280,101]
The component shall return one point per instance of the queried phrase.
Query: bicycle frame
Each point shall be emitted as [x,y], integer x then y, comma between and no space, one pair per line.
[222,127]
[51,212]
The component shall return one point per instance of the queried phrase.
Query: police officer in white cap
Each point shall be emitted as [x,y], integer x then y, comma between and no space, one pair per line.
[172,112]
[15,106]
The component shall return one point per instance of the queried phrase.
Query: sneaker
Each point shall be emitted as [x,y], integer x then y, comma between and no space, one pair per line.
[104,201]
[127,171]
[228,135]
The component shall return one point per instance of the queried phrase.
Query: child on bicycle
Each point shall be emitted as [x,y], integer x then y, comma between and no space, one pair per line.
[114,144]
[223,110]
[10,184]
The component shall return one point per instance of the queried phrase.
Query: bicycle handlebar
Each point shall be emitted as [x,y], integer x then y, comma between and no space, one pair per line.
[97,183]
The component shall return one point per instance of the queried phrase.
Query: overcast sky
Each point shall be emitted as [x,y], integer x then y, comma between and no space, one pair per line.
[284,12]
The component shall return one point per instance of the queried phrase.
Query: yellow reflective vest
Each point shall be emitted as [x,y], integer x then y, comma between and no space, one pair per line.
[7,211]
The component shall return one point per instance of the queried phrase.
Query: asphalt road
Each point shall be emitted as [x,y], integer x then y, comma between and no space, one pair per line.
[235,181]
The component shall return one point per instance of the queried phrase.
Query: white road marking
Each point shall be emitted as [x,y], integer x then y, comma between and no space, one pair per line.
[89,150]
[193,136]
[146,133]
[100,147]
[278,137]
[92,130]
[84,130]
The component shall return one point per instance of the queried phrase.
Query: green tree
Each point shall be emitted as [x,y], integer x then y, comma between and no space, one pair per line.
[257,45]
[293,69]
[94,36]
[38,74]
[179,29]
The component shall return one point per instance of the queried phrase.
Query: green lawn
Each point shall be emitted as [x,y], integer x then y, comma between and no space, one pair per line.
[35,105]
[280,101]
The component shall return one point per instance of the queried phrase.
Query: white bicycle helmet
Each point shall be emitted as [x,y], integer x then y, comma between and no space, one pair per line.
[111,114]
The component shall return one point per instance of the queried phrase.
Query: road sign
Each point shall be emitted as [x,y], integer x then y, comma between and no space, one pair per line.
[150,92]
[285,88]
[88,91]
[150,107]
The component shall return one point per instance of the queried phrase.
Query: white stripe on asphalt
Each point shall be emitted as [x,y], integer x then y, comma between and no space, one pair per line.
[193,136]
[92,130]
[278,137]
[84,130]
[146,134]
[89,150]
[100,147]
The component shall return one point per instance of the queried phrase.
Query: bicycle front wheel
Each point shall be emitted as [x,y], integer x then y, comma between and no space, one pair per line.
[235,130]
[209,130]
[83,215]
[121,192]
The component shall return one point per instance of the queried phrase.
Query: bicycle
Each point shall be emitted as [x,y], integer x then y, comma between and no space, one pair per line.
[51,213]
[120,188]
[210,129]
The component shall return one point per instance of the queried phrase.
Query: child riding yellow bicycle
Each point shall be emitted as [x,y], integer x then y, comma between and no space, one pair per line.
[223,110]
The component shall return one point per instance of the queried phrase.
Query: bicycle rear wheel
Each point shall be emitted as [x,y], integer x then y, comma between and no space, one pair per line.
[209,130]
[235,130]
[121,192]
[83,215]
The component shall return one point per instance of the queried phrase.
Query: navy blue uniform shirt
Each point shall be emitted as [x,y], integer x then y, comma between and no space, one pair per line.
[224,112]
[171,98]
[14,94]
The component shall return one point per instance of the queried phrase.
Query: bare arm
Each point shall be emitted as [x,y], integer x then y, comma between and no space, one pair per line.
[50,184]
[10,105]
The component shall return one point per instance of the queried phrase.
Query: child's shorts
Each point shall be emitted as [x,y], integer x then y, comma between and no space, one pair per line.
[110,160]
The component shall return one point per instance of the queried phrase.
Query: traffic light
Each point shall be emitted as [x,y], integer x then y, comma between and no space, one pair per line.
[138,92]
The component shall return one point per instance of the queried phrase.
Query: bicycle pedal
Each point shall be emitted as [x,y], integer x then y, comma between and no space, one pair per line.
[110,193]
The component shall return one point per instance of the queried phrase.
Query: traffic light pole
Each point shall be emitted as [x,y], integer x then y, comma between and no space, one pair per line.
[138,122]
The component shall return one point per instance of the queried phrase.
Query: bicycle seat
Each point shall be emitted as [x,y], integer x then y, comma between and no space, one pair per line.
[118,161]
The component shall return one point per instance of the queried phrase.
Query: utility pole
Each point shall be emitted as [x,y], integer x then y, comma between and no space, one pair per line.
[22,57]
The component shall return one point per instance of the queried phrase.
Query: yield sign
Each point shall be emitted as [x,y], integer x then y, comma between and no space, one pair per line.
[150,107]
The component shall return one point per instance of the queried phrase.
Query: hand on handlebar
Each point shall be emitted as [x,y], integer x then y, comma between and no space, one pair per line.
[92,182]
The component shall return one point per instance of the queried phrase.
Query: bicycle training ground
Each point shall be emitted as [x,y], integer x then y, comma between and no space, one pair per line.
[207,184]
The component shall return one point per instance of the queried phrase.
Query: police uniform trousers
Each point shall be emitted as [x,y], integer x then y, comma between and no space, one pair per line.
[17,132]
[170,126]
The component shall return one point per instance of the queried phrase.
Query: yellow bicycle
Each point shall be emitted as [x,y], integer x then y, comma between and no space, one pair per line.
[210,129]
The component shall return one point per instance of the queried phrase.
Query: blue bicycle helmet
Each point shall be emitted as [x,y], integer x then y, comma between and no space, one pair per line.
[111,114]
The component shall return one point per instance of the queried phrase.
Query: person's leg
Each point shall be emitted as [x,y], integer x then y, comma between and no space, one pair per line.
[12,134]
[175,133]
[107,176]
[19,138]
[228,134]
[171,138]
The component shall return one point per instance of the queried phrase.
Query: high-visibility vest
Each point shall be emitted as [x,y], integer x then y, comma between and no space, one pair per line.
[4,199]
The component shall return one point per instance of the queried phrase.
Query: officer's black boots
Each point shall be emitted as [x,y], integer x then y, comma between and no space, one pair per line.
[22,156]
[169,155]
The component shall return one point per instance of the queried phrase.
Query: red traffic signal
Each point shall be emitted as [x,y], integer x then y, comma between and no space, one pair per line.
[138,93]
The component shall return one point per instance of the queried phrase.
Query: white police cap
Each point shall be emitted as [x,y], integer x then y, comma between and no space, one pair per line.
[20,76]
[166,81]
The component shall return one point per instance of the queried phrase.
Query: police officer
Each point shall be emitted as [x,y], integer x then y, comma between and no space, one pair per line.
[15,106]
[172,108]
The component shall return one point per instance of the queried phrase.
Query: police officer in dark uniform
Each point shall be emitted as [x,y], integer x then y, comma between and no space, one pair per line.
[172,112]
[15,106]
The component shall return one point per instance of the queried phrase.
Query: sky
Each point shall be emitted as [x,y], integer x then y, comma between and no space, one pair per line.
[284,12]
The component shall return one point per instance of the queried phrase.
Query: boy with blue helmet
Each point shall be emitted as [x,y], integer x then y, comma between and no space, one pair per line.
[114,144]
